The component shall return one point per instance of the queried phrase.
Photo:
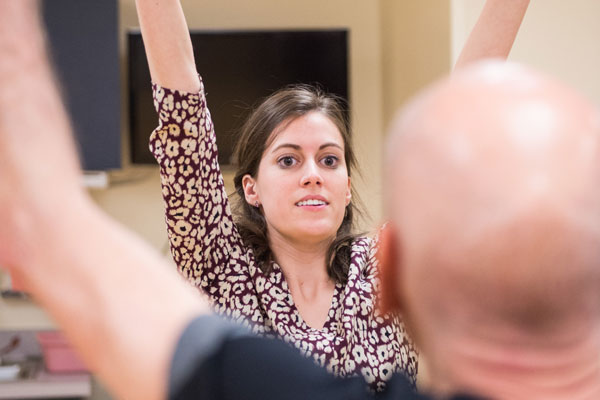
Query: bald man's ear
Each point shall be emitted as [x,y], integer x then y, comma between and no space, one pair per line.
[388,254]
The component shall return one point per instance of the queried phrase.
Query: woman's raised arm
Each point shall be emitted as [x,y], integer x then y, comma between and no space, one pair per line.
[202,235]
[168,44]
[495,31]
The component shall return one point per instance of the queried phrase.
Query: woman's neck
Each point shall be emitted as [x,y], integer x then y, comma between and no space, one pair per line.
[304,268]
[302,263]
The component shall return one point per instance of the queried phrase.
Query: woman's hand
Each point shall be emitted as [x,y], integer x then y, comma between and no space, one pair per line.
[495,31]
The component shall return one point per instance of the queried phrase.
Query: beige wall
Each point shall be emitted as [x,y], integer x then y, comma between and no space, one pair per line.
[415,48]
[557,36]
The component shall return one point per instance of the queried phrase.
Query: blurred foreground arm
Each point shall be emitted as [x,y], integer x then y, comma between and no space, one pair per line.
[111,294]
[495,31]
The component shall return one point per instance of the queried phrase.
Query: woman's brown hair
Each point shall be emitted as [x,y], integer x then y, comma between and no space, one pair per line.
[272,114]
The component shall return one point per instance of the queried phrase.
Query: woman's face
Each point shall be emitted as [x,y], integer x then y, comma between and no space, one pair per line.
[302,183]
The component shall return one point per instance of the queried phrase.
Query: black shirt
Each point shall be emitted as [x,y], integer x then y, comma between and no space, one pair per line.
[218,360]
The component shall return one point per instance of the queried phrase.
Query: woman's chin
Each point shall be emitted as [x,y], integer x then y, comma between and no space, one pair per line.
[315,234]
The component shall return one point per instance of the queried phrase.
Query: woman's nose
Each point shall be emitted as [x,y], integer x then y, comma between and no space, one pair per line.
[311,175]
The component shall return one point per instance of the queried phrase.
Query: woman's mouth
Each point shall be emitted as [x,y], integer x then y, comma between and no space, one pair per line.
[305,203]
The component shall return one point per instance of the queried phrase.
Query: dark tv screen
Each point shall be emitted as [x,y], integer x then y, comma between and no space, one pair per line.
[239,69]
[84,47]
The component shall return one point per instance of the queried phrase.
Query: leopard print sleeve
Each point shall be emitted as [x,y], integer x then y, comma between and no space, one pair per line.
[200,225]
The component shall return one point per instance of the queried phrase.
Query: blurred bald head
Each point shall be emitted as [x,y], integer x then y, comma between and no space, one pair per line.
[494,195]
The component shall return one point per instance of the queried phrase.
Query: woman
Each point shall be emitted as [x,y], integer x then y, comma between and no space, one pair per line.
[289,265]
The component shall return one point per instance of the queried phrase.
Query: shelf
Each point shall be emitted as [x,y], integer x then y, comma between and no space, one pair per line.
[47,386]
[23,314]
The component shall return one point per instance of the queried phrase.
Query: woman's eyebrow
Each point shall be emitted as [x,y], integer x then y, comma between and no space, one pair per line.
[297,147]
[329,145]
[283,145]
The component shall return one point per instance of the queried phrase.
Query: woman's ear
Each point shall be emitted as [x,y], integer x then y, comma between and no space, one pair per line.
[388,255]
[348,192]
[250,193]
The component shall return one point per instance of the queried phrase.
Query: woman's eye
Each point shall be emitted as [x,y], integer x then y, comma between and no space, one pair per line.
[330,161]
[287,161]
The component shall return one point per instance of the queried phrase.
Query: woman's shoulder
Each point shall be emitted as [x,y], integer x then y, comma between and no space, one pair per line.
[367,242]
[364,255]
[363,243]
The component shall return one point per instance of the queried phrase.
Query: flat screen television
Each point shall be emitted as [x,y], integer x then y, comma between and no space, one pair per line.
[240,68]
[84,46]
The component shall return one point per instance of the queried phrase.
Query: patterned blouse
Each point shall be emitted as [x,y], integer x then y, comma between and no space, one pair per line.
[209,252]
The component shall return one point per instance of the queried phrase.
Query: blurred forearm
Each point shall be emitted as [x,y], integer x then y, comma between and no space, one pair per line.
[118,303]
[28,90]
[121,306]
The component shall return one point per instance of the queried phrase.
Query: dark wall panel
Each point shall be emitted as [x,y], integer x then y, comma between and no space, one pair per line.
[239,69]
[83,36]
